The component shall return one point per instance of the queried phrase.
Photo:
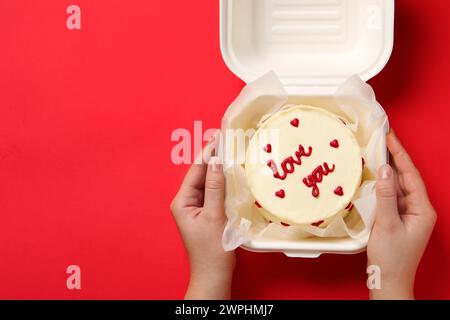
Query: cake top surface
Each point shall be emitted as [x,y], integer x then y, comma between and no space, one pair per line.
[303,164]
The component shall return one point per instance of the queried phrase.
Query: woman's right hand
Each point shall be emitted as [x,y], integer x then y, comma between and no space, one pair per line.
[403,224]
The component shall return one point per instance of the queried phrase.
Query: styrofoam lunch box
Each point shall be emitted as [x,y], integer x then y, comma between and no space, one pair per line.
[313,46]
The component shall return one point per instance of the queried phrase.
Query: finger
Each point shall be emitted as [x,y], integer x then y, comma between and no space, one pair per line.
[210,149]
[398,183]
[398,152]
[214,188]
[191,192]
[387,211]
[406,169]
[195,177]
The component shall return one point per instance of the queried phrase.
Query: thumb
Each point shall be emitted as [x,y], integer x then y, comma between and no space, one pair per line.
[387,211]
[214,187]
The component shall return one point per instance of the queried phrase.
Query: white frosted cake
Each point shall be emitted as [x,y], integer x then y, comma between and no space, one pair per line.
[303,166]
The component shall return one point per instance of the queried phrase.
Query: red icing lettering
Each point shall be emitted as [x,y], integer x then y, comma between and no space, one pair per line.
[287,165]
[317,176]
[257,204]
[285,224]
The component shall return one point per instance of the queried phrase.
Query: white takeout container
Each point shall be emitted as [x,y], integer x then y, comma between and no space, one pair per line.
[313,46]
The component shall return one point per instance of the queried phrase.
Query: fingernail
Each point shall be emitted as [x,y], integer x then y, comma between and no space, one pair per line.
[385,172]
[216,166]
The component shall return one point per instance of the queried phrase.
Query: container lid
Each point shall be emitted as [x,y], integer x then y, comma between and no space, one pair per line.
[312,45]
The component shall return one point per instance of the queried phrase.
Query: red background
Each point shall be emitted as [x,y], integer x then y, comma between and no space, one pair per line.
[85,171]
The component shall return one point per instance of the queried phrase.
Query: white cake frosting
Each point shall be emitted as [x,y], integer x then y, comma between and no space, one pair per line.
[303,165]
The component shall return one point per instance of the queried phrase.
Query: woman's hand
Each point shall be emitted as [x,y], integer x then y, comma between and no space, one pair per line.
[404,222]
[199,212]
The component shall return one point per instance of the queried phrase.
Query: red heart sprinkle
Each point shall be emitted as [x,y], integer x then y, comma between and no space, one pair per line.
[334,143]
[280,194]
[339,191]
[285,224]
[318,223]
[349,205]
[257,204]
[268,148]
[295,122]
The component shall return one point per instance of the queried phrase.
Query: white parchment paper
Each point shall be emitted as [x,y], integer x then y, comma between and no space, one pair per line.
[355,101]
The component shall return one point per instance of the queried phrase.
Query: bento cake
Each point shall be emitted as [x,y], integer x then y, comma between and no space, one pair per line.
[303,165]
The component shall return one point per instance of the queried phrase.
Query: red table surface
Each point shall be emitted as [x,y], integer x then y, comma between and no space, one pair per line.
[86,176]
